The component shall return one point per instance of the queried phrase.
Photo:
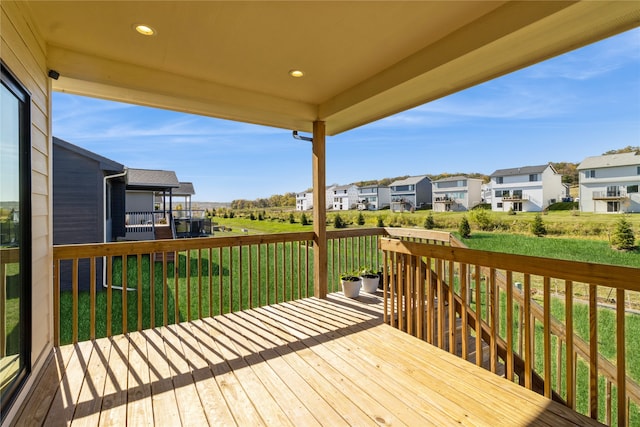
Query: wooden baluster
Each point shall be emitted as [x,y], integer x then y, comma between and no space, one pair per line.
[291,282]
[558,364]
[623,417]
[240,277]
[92,299]
[231,279]
[452,309]
[220,270]
[165,285]
[385,286]
[187,266]
[152,291]
[307,269]
[570,369]
[440,292]
[509,361]
[125,285]
[259,275]
[74,305]
[528,334]
[464,284]
[176,287]
[210,264]
[275,273]
[593,352]
[299,244]
[139,299]
[607,404]
[478,282]
[109,292]
[408,295]
[430,303]
[547,336]
[56,302]
[419,295]
[251,276]
[199,266]
[493,318]
[402,307]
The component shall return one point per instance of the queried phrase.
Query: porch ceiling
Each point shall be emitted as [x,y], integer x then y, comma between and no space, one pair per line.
[362,60]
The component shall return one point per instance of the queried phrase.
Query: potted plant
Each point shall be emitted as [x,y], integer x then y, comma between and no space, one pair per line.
[370,280]
[351,284]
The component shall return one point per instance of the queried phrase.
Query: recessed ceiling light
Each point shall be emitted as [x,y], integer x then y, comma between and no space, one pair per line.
[145,30]
[296,73]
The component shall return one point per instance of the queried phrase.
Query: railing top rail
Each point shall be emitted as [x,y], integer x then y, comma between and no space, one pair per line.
[418,233]
[9,255]
[597,274]
[154,246]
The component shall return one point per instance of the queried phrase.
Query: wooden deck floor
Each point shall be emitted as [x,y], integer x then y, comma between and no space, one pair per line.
[309,362]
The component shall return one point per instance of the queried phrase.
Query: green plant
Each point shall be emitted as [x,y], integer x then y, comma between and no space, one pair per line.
[303,219]
[464,229]
[292,218]
[338,222]
[368,272]
[537,226]
[483,218]
[350,276]
[511,212]
[429,222]
[360,220]
[380,222]
[623,237]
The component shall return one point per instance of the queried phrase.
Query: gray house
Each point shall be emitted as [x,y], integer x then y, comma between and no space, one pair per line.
[411,193]
[88,201]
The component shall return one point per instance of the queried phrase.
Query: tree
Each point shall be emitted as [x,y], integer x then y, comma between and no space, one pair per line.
[464,229]
[623,237]
[303,219]
[429,222]
[292,218]
[360,220]
[380,222]
[537,226]
[338,222]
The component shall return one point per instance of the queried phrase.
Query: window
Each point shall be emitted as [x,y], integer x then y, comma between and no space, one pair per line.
[638,171]
[613,206]
[517,207]
[590,173]
[15,239]
[632,188]
[499,205]
[499,180]
[517,194]
[534,177]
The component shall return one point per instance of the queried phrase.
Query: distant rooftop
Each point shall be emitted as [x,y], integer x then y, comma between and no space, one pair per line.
[409,180]
[610,160]
[152,179]
[185,189]
[456,178]
[524,170]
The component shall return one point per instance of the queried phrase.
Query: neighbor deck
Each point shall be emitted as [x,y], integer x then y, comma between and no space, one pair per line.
[305,362]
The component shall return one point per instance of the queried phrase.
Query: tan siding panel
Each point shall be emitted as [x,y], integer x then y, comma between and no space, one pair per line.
[39,184]
[39,162]
[39,138]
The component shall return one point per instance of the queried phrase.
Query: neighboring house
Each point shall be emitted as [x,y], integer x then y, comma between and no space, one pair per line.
[610,183]
[345,197]
[457,193]
[142,187]
[88,201]
[373,197]
[304,201]
[526,189]
[487,193]
[411,193]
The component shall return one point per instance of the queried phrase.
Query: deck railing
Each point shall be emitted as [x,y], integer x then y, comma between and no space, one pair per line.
[496,310]
[110,288]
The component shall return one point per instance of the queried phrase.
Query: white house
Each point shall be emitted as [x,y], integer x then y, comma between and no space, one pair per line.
[344,197]
[487,193]
[526,189]
[373,197]
[304,201]
[410,193]
[456,193]
[610,183]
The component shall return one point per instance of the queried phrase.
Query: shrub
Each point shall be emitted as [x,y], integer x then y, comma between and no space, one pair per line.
[429,222]
[537,226]
[303,219]
[483,218]
[360,220]
[623,237]
[231,214]
[292,218]
[338,222]
[380,222]
[464,229]
[511,212]
[252,217]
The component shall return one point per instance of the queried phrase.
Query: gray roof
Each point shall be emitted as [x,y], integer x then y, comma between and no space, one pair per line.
[610,160]
[343,187]
[524,170]
[105,164]
[456,178]
[185,189]
[408,181]
[151,179]
[373,186]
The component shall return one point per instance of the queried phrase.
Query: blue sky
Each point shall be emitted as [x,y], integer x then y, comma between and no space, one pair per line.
[577,105]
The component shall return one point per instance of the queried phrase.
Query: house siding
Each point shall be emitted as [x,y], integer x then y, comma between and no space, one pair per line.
[23,52]
[617,176]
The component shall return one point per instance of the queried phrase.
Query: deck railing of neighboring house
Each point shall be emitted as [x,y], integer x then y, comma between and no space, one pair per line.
[433,286]
[618,193]
[515,197]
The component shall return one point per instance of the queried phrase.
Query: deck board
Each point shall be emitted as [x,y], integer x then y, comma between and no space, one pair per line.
[306,362]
